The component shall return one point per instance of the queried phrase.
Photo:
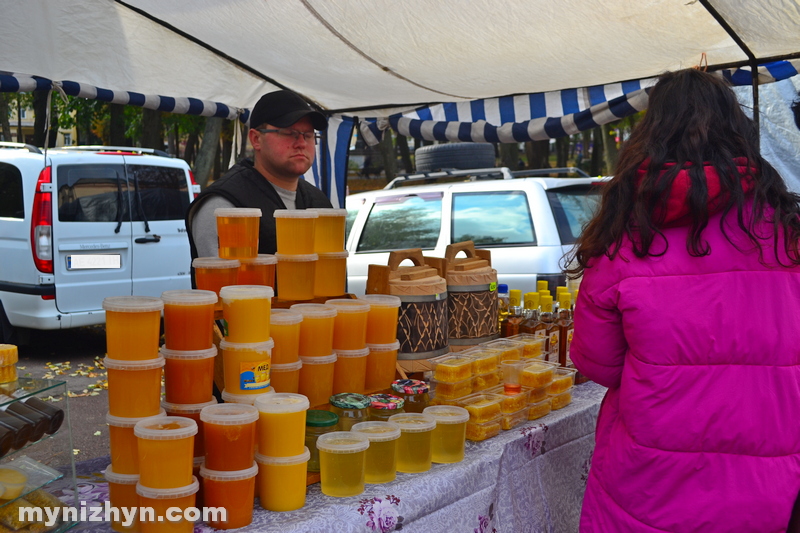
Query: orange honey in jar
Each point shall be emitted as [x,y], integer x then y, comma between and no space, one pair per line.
[123,444]
[316,329]
[233,491]
[350,371]
[329,230]
[229,431]
[189,319]
[246,309]
[259,270]
[213,273]
[285,333]
[134,387]
[161,500]
[296,276]
[350,324]
[316,378]
[246,366]
[381,365]
[122,493]
[166,451]
[282,424]
[189,376]
[330,276]
[382,318]
[286,377]
[191,411]
[237,231]
[133,327]
[294,231]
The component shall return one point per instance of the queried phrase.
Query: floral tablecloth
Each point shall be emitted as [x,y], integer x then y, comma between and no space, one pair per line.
[528,479]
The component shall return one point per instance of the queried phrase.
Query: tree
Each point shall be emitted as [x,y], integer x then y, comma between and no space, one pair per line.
[610,149]
[387,152]
[5,112]
[562,151]
[509,155]
[596,167]
[405,154]
[204,163]
[538,153]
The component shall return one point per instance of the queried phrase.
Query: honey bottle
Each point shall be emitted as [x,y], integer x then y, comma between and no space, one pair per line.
[531,302]
[566,330]
[552,332]
[515,298]
[546,323]
[541,285]
[512,323]
[502,305]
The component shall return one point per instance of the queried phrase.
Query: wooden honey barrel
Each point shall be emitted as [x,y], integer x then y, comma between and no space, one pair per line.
[471,296]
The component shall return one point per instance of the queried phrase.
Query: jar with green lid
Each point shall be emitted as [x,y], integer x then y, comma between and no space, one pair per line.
[414,393]
[351,408]
[318,422]
[382,406]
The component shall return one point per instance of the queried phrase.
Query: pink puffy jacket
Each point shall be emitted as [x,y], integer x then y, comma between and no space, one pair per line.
[700,428]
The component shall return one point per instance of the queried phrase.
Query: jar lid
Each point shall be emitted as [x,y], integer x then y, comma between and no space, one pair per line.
[249,399]
[146,364]
[282,402]
[168,494]
[228,475]
[189,297]
[237,212]
[386,401]
[344,305]
[314,310]
[329,212]
[284,461]
[447,414]
[296,258]
[132,304]
[284,317]
[352,353]
[215,263]
[165,428]
[382,300]
[349,400]
[410,386]
[260,259]
[120,479]
[246,292]
[317,418]
[333,255]
[166,353]
[295,213]
[123,422]
[265,346]
[342,442]
[317,360]
[413,422]
[391,347]
[287,367]
[229,414]
[378,431]
[181,409]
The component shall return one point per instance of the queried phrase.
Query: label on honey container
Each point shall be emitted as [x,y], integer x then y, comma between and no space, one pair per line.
[254,375]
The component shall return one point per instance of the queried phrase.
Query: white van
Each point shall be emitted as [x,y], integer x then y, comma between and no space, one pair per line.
[85,224]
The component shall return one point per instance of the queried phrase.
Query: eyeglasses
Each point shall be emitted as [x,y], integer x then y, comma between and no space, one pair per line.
[309,136]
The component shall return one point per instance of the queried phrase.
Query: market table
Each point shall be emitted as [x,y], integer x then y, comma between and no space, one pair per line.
[530,478]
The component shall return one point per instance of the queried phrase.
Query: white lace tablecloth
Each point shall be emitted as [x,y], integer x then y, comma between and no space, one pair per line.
[528,479]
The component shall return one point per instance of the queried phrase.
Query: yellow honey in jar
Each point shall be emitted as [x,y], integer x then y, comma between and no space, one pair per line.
[316,329]
[294,232]
[329,230]
[349,324]
[381,461]
[447,442]
[281,424]
[414,445]
[330,277]
[296,276]
[382,318]
[246,309]
[285,333]
[342,461]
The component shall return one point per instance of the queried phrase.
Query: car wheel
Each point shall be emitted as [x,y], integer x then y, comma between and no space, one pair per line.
[460,156]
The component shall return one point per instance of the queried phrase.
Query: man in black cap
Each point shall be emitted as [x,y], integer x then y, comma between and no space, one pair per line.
[282,132]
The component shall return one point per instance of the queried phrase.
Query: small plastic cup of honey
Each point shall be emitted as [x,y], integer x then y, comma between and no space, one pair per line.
[316,378]
[414,452]
[259,270]
[122,494]
[381,460]
[329,230]
[189,319]
[247,399]
[449,435]
[246,366]
[296,276]
[229,432]
[350,371]
[237,231]
[330,276]
[166,451]
[246,309]
[285,333]
[133,327]
[350,324]
[213,273]
[286,377]
[161,500]
[122,441]
[342,462]
[282,424]
[382,318]
[282,481]
[294,231]
[189,375]
[191,410]
[381,365]
[316,329]
[134,387]
[233,491]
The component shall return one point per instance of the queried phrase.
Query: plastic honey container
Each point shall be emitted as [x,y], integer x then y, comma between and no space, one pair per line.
[509,350]
[122,493]
[539,409]
[510,420]
[316,329]
[443,390]
[246,367]
[213,273]
[286,377]
[237,231]
[134,387]
[259,270]
[451,368]
[166,451]
[384,406]
[133,327]
[350,408]
[229,433]
[247,399]
[381,365]
[350,371]
[330,277]
[533,346]
[233,490]
[14,481]
[382,318]
[285,332]
[189,375]
[381,461]
[414,451]
[482,407]
[9,356]
[511,371]
[318,422]
[281,424]
[282,481]
[512,401]
[191,411]
[294,231]
[538,374]
[197,463]
[316,378]
[342,460]
[123,444]
[563,399]
[486,430]
[161,500]
[189,319]
[246,309]
[563,380]
[484,360]
[296,276]
[329,231]
[447,441]
[350,324]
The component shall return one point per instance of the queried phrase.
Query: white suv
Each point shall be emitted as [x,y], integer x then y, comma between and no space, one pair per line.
[527,223]
[84,224]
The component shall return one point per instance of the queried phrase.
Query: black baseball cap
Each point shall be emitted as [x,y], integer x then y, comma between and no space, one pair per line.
[284,108]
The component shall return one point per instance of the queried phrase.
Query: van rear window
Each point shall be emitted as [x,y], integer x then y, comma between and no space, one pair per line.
[158,193]
[573,208]
[91,193]
[403,221]
[11,200]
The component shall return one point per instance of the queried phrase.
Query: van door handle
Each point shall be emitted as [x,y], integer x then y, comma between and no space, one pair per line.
[142,240]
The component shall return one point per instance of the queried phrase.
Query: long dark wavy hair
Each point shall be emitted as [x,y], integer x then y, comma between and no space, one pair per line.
[693,119]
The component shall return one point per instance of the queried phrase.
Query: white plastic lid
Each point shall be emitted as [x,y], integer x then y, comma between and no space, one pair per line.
[282,402]
[342,442]
[146,364]
[284,461]
[265,346]
[189,297]
[215,263]
[249,399]
[229,414]
[314,310]
[237,212]
[447,414]
[208,353]
[123,422]
[246,292]
[299,258]
[329,212]
[120,479]
[133,304]
[343,305]
[260,259]
[287,367]
[378,431]
[352,353]
[382,300]
[392,346]
[157,428]
[324,360]
[230,475]
[180,409]
[284,317]
[295,213]
[168,494]
[333,255]
[413,422]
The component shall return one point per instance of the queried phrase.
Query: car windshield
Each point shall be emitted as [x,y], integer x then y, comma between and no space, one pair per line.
[573,207]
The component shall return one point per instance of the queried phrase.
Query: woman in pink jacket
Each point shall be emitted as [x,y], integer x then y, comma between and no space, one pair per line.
[689,312]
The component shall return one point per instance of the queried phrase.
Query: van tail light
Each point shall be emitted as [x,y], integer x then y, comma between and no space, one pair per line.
[42,223]
[195,186]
